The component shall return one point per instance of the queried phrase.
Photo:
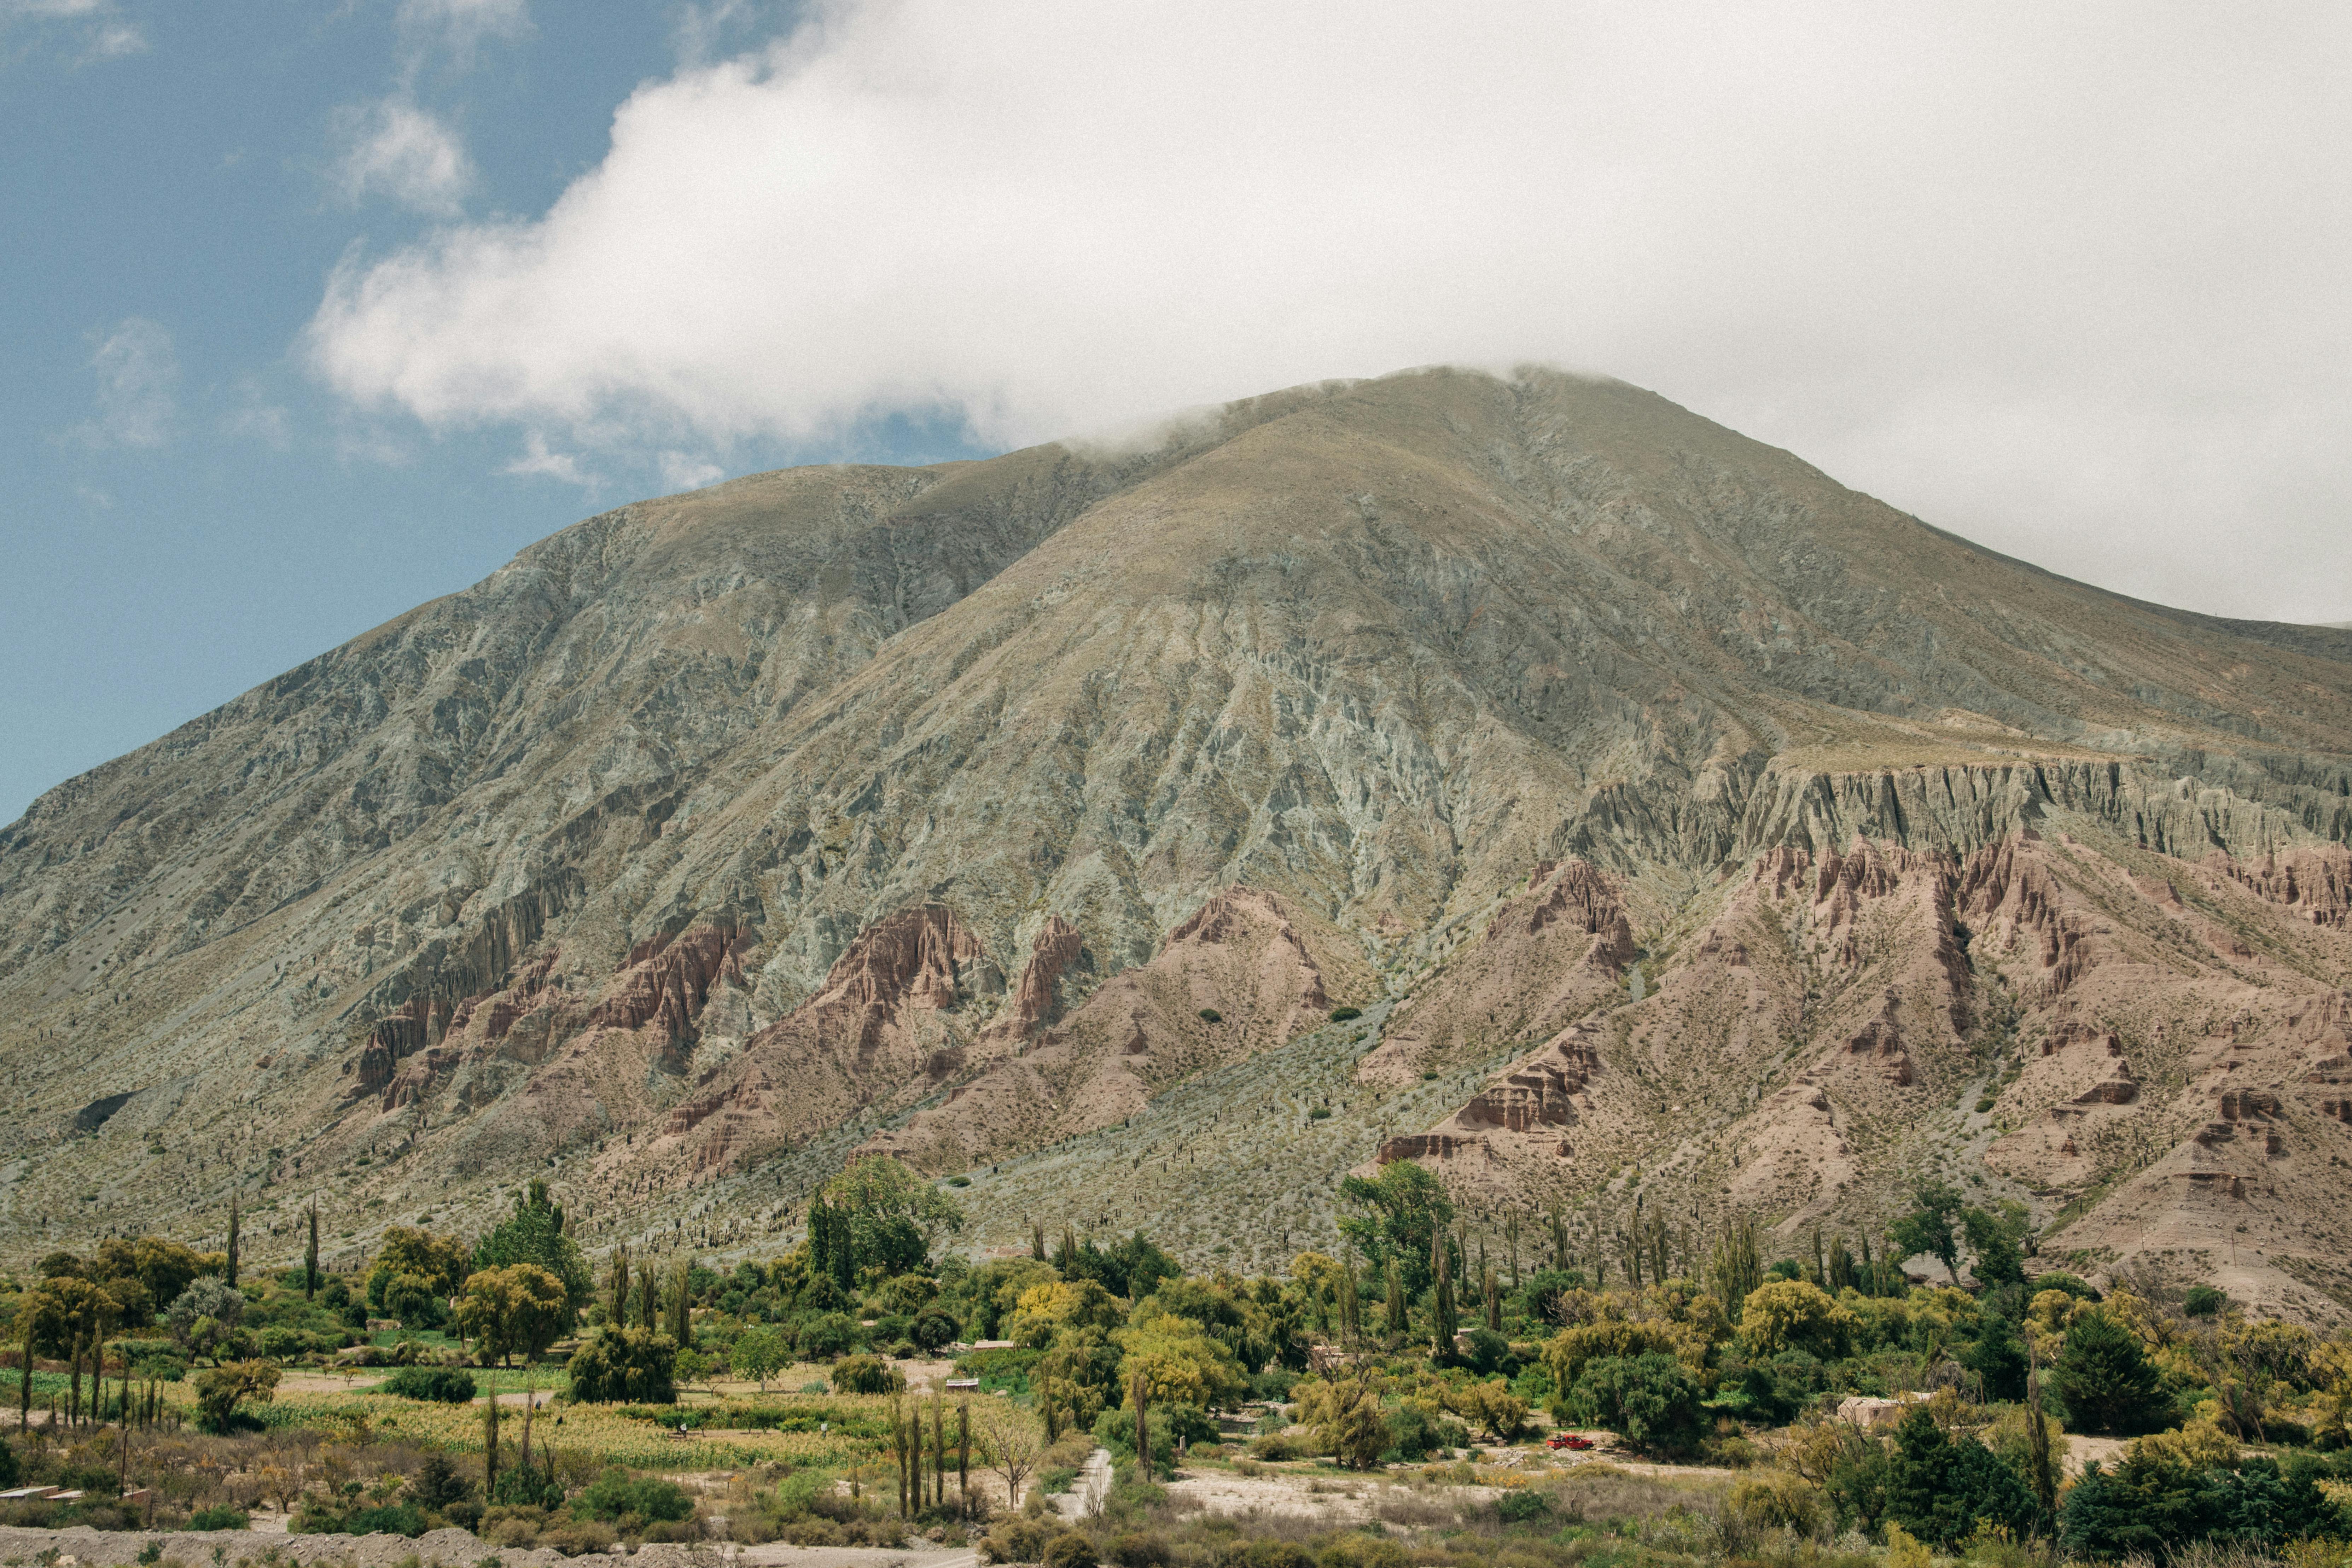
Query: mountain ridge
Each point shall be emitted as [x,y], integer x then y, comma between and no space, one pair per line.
[532,873]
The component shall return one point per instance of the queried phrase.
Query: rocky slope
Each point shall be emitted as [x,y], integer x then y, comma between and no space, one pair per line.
[1722,835]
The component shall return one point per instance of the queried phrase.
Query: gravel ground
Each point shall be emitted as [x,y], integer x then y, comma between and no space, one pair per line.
[201,1548]
[435,1549]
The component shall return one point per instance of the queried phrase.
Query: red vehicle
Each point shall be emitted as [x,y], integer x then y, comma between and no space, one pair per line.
[1570,1440]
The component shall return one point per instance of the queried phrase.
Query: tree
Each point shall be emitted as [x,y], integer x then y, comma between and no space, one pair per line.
[892,1214]
[438,1263]
[1045,1311]
[221,1389]
[1179,1363]
[1790,1314]
[1998,1238]
[1944,1490]
[1344,1409]
[1010,1443]
[229,1273]
[632,1366]
[534,1233]
[1650,1399]
[616,1312]
[1997,1356]
[1930,1226]
[1736,1268]
[759,1354]
[518,1309]
[681,1304]
[311,1258]
[2105,1378]
[204,1315]
[1408,1212]
[1445,1319]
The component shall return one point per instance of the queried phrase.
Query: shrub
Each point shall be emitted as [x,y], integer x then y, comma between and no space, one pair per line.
[222,1517]
[1775,1500]
[1522,1505]
[1211,1016]
[866,1375]
[933,1328]
[827,1335]
[2204,1301]
[392,1519]
[634,1365]
[1650,1399]
[613,1494]
[1070,1550]
[1319,1113]
[959,1181]
[1135,1550]
[445,1384]
[1342,1015]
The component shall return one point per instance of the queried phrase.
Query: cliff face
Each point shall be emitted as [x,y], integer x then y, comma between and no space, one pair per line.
[1648,769]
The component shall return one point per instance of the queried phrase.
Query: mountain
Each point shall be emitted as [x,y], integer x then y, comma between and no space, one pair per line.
[1680,825]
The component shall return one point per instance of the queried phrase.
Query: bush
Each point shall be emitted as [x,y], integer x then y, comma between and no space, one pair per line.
[959,1181]
[1135,1550]
[393,1519]
[1775,1500]
[1069,1550]
[1522,1505]
[221,1518]
[866,1375]
[1416,1431]
[633,1365]
[613,1494]
[1649,1399]
[1211,1016]
[1342,1015]
[934,1328]
[2204,1301]
[443,1385]
[827,1335]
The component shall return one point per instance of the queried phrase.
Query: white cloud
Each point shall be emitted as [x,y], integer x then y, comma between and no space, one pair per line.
[2068,280]
[138,381]
[685,471]
[538,462]
[104,34]
[458,26]
[396,149]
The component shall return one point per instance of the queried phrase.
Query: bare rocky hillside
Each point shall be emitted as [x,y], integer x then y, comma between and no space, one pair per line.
[1687,828]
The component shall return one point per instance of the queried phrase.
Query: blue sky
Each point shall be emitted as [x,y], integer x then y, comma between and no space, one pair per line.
[310,312]
[187,511]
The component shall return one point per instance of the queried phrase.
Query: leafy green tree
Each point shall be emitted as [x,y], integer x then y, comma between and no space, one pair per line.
[759,1354]
[534,1233]
[1407,1209]
[1651,1400]
[1943,1492]
[626,1366]
[519,1310]
[1998,1238]
[1997,1356]
[221,1389]
[892,1214]
[205,1315]
[1933,1226]
[2103,1378]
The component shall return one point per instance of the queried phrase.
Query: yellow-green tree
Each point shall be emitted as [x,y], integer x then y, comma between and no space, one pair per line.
[520,1309]
[1791,1315]
[1045,1311]
[1179,1363]
[1344,1411]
